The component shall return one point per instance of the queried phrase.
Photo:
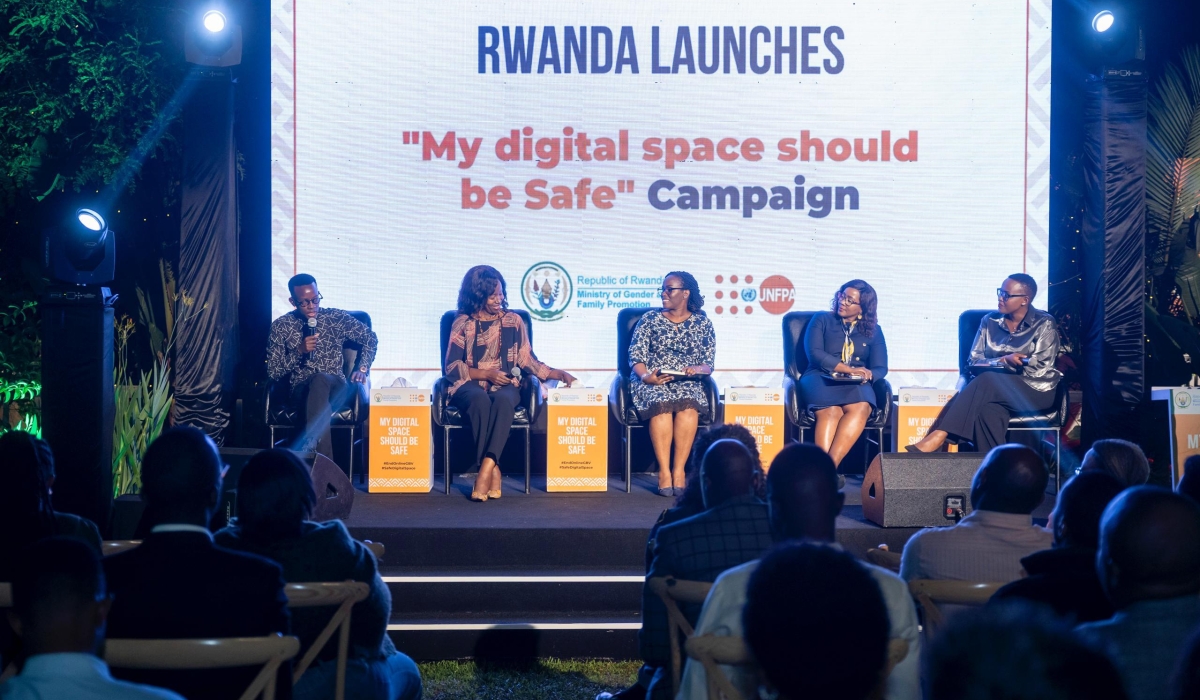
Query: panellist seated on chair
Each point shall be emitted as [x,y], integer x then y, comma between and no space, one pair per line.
[845,343]
[678,339]
[1013,355]
[312,361]
[803,501]
[487,341]
[989,543]
[274,511]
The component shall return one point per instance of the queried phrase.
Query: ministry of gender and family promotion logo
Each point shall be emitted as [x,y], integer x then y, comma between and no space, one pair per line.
[1183,399]
[546,291]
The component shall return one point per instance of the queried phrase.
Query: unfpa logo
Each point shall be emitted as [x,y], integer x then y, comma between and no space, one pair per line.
[775,294]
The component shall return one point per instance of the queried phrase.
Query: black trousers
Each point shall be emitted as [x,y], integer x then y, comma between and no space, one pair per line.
[490,415]
[981,411]
[319,393]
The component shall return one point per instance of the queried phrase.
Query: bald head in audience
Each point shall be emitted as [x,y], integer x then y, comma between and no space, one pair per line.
[727,471]
[1012,479]
[802,494]
[1149,546]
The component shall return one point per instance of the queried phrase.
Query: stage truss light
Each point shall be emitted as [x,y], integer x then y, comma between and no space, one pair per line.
[81,250]
[91,220]
[1103,21]
[214,21]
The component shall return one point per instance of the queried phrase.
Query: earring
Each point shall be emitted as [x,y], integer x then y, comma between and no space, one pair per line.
[860,317]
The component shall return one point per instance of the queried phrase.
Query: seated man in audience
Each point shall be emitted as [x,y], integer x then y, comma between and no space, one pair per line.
[1185,682]
[732,530]
[804,502]
[1064,576]
[1149,565]
[177,584]
[829,642]
[1016,650]
[59,609]
[1189,485]
[1121,458]
[989,543]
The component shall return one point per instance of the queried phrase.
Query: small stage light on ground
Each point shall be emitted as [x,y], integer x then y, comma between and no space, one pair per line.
[1103,21]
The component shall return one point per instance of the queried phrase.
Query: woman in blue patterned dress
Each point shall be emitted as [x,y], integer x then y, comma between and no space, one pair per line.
[677,338]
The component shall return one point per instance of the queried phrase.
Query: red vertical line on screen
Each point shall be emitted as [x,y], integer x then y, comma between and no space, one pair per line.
[295,194]
[1025,195]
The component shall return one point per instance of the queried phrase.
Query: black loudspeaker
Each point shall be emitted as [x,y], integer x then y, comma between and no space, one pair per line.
[905,489]
[335,493]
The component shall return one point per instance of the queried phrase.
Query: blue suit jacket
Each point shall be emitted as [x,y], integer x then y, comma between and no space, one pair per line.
[700,548]
[179,585]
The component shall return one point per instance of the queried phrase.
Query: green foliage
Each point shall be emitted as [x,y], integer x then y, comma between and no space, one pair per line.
[20,366]
[82,82]
[1173,177]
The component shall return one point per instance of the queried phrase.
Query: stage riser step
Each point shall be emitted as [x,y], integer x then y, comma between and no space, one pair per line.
[498,599]
[514,548]
[517,644]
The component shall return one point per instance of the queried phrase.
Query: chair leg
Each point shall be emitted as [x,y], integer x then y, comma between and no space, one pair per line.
[446,457]
[628,460]
[350,455]
[1057,461]
[272,438]
[527,461]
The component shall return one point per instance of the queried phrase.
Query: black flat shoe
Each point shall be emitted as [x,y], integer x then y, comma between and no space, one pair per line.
[666,491]
[911,448]
[841,482]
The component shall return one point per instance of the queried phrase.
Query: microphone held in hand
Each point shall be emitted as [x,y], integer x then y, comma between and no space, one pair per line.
[516,375]
[310,329]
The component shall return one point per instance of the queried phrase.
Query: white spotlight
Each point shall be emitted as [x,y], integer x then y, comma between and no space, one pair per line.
[90,220]
[1103,21]
[214,21]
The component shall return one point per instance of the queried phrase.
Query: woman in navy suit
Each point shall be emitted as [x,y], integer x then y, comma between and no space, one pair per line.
[845,341]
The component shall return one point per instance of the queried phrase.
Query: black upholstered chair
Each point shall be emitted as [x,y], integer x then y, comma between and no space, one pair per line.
[449,417]
[282,414]
[620,401]
[795,362]
[1051,421]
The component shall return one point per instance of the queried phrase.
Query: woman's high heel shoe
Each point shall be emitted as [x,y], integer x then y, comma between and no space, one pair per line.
[480,497]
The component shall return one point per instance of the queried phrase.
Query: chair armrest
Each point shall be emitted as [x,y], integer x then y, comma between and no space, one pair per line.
[619,399]
[441,399]
[883,400]
[359,402]
[791,400]
[531,396]
[713,394]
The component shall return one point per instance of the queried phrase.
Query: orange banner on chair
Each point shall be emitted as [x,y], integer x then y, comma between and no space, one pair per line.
[401,442]
[576,440]
[916,409]
[761,411]
[1185,428]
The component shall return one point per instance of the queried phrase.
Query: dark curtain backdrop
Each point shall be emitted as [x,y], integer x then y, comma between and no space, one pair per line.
[1113,237]
[206,348]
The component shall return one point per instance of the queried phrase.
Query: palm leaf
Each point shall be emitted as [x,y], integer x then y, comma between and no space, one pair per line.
[1173,169]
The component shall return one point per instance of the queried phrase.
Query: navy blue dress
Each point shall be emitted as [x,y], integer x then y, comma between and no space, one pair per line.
[823,340]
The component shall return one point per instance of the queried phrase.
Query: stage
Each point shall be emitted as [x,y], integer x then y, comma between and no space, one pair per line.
[537,575]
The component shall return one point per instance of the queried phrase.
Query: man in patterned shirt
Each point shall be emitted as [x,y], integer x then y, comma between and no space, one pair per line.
[313,363]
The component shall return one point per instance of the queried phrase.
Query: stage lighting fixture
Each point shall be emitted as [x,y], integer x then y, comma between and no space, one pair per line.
[81,251]
[1103,21]
[214,21]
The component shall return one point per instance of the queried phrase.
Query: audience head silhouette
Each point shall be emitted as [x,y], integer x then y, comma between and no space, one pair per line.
[1016,650]
[806,604]
[59,600]
[727,471]
[1189,485]
[1185,682]
[1149,546]
[692,494]
[181,477]
[1012,479]
[802,494]
[1076,520]
[275,496]
[1121,458]
[27,471]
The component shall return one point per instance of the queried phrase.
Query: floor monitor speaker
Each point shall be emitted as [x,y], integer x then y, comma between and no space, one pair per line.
[906,489]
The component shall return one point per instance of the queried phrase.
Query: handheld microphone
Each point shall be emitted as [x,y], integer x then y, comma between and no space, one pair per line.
[516,375]
[310,329]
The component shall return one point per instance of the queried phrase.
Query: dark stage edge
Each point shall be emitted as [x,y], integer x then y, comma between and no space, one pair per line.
[534,576]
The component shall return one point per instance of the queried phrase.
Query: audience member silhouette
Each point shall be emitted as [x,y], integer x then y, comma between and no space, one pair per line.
[831,642]
[1064,576]
[178,584]
[1149,565]
[1189,485]
[989,543]
[274,520]
[1120,458]
[691,501]
[732,530]
[1185,683]
[1016,650]
[60,606]
[803,501]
